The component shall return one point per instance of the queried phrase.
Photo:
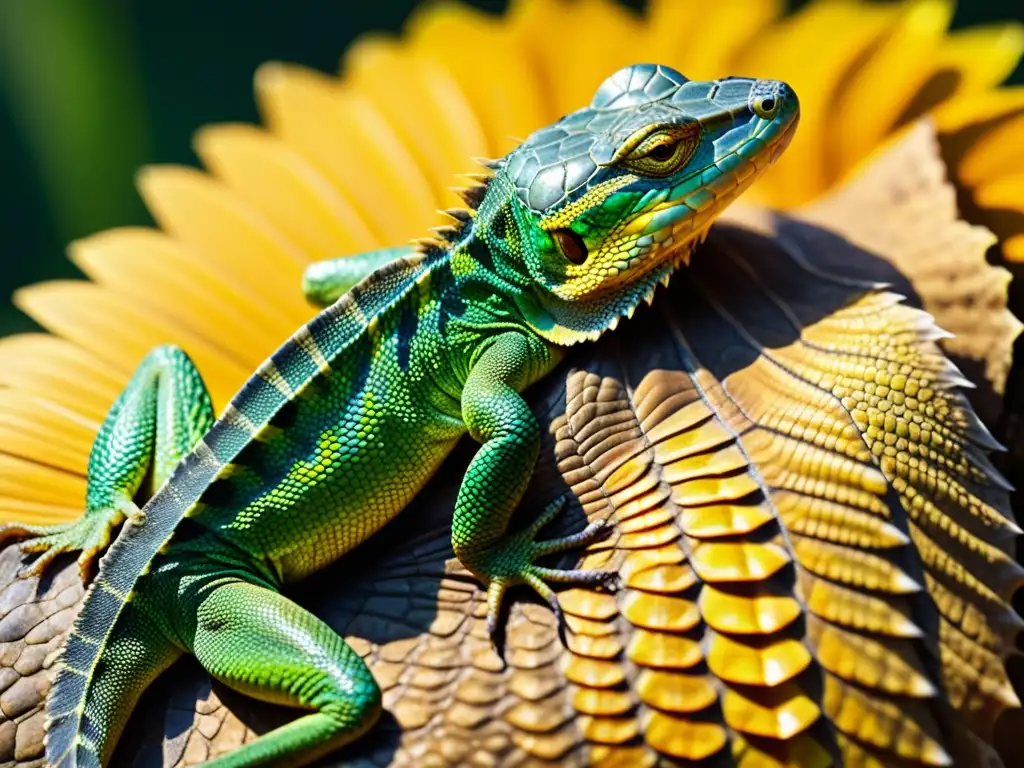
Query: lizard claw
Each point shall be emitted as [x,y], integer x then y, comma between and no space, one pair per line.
[90,535]
[495,629]
[511,562]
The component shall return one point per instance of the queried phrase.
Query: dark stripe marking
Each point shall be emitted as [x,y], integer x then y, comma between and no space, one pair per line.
[90,732]
[452,305]
[408,322]
[295,364]
[258,400]
[219,493]
[78,653]
[72,690]
[107,602]
[481,253]
[285,416]
[361,374]
[61,733]
[499,226]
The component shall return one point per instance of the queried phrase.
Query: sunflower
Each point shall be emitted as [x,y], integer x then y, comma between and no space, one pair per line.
[350,163]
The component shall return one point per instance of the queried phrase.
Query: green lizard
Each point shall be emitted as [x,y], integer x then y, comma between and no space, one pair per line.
[338,430]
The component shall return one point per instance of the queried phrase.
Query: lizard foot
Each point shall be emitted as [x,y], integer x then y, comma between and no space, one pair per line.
[90,534]
[511,562]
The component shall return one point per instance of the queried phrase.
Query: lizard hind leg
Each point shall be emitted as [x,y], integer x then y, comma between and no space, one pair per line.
[260,643]
[155,421]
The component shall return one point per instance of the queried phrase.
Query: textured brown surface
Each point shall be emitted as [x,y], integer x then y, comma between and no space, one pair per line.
[813,548]
[901,210]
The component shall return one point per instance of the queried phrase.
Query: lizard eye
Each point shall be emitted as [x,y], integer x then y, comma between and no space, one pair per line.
[765,107]
[570,244]
[663,152]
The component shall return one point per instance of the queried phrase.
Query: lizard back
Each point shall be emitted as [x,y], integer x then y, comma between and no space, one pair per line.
[305,356]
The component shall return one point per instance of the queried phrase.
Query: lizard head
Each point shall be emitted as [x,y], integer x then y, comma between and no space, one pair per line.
[612,198]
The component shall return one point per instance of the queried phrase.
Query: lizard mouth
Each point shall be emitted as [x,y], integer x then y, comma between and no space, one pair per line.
[662,238]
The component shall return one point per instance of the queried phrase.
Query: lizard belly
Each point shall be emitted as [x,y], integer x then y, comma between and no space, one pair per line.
[351,481]
[357,506]
[351,450]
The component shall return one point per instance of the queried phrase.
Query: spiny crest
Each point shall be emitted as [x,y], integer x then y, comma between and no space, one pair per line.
[473,195]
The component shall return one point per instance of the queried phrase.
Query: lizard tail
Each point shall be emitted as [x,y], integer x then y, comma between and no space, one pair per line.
[109,655]
[87,712]
[73,738]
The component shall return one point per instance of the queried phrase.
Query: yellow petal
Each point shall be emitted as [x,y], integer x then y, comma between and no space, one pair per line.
[982,57]
[790,51]
[727,33]
[30,482]
[288,190]
[61,373]
[1000,149]
[229,234]
[979,108]
[601,38]
[490,66]
[425,105]
[1013,248]
[39,431]
[880,90]
[177,284]
[1003,203]
[39,513]
[1005,192]
[346,137]
[969,61]
[122,330]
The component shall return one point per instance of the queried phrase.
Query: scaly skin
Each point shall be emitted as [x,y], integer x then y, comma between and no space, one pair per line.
[343,425]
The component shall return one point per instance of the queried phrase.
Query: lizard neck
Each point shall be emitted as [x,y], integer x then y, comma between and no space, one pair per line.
[489,262]
[480,284]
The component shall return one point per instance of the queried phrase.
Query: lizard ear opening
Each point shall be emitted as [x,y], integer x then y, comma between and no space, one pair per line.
[570,244]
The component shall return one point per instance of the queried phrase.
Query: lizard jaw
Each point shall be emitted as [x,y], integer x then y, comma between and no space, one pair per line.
[570,322]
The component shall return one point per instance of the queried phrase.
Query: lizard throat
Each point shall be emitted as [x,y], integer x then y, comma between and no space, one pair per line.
[566,322]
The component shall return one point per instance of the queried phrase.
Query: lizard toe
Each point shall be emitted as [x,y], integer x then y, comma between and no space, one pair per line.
[512,562]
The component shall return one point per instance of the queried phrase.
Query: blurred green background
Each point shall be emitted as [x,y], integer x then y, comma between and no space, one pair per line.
[92,89]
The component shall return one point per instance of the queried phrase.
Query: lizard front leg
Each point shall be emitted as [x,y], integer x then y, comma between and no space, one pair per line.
[499,418]
[155,421]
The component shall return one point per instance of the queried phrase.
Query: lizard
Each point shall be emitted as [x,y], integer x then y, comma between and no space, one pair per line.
[338,430]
